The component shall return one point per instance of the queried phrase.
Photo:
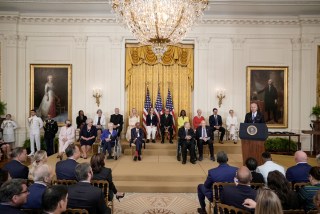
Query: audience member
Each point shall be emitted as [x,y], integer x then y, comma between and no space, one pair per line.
[252,164]
[254,116]
[299,172]
[13,194]
[187,142]
[42,177]
[4,176]
[318,159]
[85,196]
[50,131]
[88,136]
[307,193]
[166,125]
[40,157]
[8,126]
[99,122]
[152,125]
[268,166]
[182,118]
[81,119]
[137,137]
[235,195]
[267,202]
[279,184]
[204,137]
[108,140]
[133,119]
[316,200]
[232,126]
[117,120]
[15,167]
[223,173]
[100,172]
[35,124]
[215,122]
[66,137]
[197,119]
[65,168]
[55,199]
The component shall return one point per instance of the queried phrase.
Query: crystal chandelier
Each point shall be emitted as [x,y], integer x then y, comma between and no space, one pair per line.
[159,22]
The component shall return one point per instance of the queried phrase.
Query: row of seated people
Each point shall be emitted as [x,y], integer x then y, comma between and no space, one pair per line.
[270,174]
[80,195]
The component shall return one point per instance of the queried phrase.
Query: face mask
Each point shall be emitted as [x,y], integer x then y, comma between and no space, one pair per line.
[68,125]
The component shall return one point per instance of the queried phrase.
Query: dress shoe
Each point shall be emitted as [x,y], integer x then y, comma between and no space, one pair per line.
[171,142]
[148,141]
[184,162]
[178,158]
[200,211]
[221,141]
[135,158]
[118,197]
[212,158]
[235,142]
[153,141]
[200,158]
[139,158]
[193,162]
[162,141]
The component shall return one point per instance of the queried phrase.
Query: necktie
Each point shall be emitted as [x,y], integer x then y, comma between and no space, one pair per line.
[138,135]
[253,117]
[215,117]
[203,133]
[99,121]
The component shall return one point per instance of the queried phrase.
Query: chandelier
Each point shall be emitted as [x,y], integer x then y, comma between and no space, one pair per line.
[159,23]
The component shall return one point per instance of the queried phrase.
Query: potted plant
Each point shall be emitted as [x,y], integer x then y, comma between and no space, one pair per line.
[316,111]
[3,108]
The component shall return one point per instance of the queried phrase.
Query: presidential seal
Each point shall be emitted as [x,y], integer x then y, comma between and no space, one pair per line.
[252,130]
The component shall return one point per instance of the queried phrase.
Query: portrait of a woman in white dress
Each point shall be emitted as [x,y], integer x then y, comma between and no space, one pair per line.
[48,103]
[133,119]
[232,126]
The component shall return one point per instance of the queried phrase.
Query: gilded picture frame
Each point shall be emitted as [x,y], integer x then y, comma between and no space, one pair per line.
[268,87]
[51,91]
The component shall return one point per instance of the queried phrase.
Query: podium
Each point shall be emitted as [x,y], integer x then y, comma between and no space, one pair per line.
[253,136]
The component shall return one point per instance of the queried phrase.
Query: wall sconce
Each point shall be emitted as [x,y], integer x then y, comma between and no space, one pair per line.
[221,94]
[97,94]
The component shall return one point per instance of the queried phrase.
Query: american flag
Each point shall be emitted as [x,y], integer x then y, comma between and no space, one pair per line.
[169,105]
[158,108]
[147,106]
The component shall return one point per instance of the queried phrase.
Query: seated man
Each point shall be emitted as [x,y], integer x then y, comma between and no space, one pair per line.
[299,172]
[268,166]
[65,168]
[235,195]
[215,122]
[15,167]
[223,173]
[137,137]
[108,140]
[85,196]
[204,136]
[55,199]
[42,177]
[166,124]
[13,194]
[186,142]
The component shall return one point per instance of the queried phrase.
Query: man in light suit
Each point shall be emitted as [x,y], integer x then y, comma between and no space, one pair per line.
[137,138]
[166,124]
[65,168]
[223,173]
[299,172]
[187,142]
[204,137]
[42,177]
[35,124]
[15,167]
[254,116]
[269,166]
[215,122]
[85,196]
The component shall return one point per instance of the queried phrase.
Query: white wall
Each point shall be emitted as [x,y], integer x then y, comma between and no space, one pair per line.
[223,48]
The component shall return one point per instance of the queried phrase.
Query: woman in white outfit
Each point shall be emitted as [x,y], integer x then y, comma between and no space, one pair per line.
[8,126]
[133,119]
[99,122]
[66,137]
[232,126]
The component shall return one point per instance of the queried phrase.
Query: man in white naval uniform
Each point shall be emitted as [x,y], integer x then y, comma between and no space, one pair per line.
[35,124]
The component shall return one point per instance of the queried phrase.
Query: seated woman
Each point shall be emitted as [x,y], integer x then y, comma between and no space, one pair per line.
[108,140]
[232,126]
[133,119]
[279,184]
[99,122]
[88,136]
[40,157]
[100,172]
[152,125]
[81,120]
[182,118]
[137,137]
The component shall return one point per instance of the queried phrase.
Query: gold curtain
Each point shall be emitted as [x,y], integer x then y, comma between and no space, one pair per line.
[175,71]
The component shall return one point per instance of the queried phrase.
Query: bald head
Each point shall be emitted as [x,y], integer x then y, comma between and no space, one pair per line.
[300,156]
[244,175]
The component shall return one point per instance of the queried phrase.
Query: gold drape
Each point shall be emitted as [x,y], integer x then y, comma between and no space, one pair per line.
[174,72]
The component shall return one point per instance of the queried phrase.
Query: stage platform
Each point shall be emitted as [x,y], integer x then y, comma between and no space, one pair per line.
[160,172]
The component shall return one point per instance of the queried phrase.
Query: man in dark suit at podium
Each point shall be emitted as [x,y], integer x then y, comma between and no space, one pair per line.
[166,123]
[187,142]
[254,116]
[215,122]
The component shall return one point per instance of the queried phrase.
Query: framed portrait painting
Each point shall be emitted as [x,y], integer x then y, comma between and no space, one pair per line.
[268,87]
[50,91]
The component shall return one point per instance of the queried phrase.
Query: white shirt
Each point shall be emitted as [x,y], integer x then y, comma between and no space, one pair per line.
[102,120]
[35,124]
[67,132]
[269,166]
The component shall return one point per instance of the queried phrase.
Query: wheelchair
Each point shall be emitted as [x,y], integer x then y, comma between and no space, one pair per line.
[116,149]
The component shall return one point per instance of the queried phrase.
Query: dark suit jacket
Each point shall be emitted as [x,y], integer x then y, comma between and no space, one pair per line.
[134,135]
[7,209]
[34,200]
[235,195]
[65,169]
[17,169]
[212,120]
[84,195]
[258,119]
[105,174]
[182,134]
[50,129]
[208,130]
[154,120]
[298,173]
[117,119]
[164,122]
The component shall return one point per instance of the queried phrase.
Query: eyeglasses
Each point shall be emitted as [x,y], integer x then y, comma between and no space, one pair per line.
[26,191]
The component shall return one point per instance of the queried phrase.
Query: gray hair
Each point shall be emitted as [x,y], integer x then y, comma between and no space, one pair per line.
[89,120]
[11,188]
[81,171]
[222,157]
[41,172]
[17,151]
